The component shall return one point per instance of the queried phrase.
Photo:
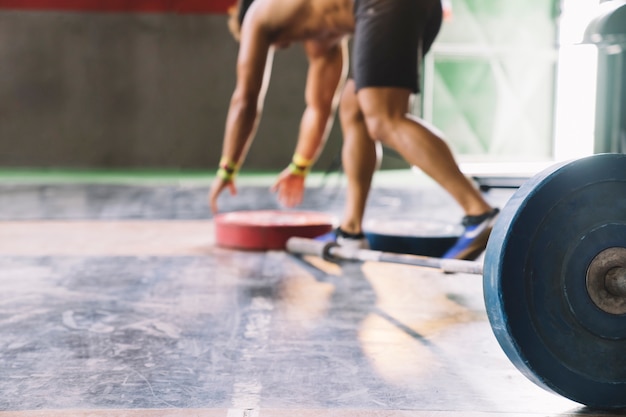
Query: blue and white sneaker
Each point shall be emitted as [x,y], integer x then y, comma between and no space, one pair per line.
[474,239]
[345,239]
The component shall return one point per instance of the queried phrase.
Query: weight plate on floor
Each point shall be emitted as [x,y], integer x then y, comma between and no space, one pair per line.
[411,236]
[268,229]
[559,229]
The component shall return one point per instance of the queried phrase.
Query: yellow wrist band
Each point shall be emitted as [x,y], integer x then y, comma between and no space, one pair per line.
[227,170]
[300,165]
[298,170]
[301,161]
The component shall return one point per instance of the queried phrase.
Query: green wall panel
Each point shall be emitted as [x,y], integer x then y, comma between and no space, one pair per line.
[490,79]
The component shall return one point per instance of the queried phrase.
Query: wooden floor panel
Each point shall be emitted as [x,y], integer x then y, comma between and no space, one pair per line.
[88,238]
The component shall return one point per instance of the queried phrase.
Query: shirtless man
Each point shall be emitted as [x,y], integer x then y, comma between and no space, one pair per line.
[321,26]
[388,37]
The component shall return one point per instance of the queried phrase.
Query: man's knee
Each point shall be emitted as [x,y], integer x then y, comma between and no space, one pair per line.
[383,110]
[380,126]
[349,110]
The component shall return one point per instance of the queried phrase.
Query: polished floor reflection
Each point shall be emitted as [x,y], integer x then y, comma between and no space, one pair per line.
[137,315]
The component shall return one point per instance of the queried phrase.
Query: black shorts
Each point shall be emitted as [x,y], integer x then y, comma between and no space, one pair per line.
[390,38]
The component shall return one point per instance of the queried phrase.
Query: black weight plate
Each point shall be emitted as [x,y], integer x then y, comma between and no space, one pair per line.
[411,236]
[535,280]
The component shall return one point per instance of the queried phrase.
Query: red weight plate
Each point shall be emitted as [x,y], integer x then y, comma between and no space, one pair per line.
[268,229]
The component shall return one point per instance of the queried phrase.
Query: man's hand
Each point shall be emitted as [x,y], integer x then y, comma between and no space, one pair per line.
[216,188]
[290,188]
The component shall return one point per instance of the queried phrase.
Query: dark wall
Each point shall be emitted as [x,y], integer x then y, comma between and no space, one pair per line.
[134,90]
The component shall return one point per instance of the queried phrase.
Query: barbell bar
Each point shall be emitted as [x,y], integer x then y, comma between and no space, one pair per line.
[613,281]
[334,252]
[554,278]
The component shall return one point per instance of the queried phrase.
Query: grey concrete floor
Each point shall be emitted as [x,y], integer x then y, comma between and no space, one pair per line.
[115,300]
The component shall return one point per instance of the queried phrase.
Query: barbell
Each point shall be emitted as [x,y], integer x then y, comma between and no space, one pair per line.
[554,278]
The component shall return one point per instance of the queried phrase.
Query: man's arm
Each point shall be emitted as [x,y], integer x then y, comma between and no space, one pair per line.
[326,75]
[254,64]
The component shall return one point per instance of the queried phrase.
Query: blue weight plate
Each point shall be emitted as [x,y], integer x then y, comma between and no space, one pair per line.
[411,236]
[535,280]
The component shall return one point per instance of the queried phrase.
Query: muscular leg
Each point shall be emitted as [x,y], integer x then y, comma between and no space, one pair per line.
[359,158]
[387,119]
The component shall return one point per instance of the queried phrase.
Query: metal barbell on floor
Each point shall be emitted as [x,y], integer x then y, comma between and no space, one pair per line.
[607,286]
[334,252]
[554,278]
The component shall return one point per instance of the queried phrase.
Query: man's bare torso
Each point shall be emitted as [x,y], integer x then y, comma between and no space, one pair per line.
[287,21]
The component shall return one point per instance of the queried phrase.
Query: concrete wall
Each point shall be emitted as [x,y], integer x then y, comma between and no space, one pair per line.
[133,90]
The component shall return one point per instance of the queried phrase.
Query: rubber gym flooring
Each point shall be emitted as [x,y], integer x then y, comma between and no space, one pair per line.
[115,301]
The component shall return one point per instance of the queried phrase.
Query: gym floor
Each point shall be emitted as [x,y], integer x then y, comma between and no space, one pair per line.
[115,301]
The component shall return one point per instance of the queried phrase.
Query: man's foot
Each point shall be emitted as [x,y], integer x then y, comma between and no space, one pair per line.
[345,239]
[473,241]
